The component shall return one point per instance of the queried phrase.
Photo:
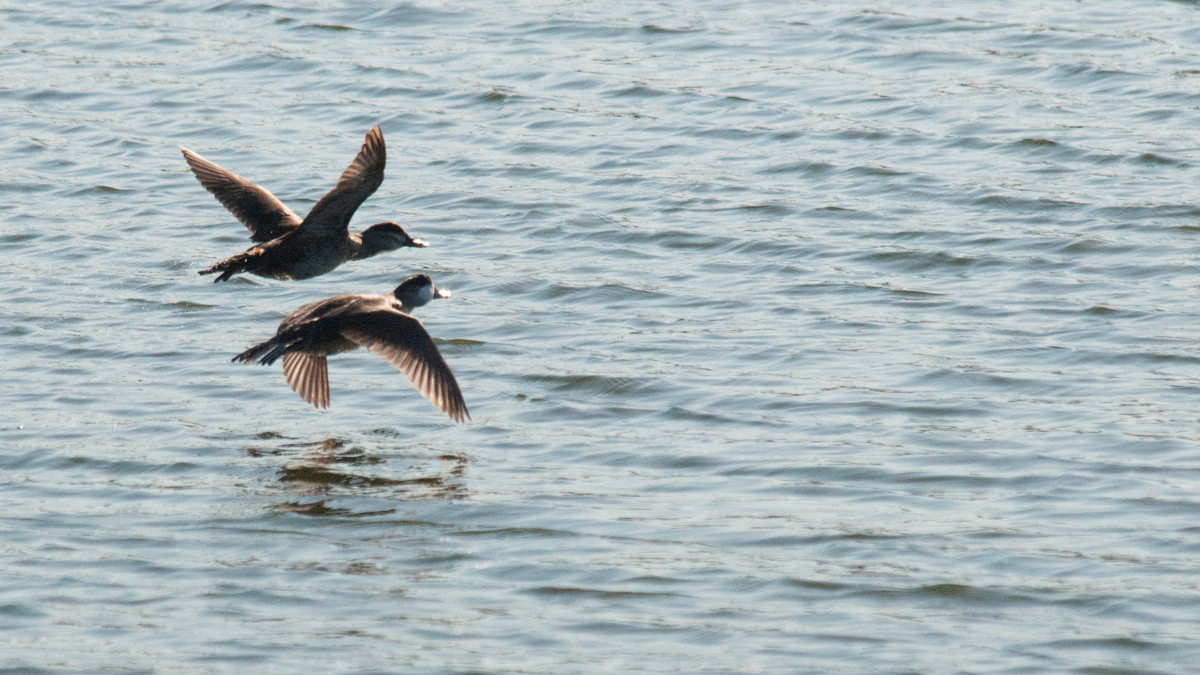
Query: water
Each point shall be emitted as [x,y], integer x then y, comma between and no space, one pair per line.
[798,337]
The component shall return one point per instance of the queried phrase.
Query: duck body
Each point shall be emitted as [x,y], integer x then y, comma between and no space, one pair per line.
[319,323]
[288,258]
[292,248]
[382,324]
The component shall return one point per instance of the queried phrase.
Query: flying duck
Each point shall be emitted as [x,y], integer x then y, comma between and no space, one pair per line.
[292,248]
[381,323]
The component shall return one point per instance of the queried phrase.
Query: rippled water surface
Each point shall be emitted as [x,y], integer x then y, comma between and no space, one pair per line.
[798,337]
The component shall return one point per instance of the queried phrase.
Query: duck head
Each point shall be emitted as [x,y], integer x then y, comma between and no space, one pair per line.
[418,290]
[389,236]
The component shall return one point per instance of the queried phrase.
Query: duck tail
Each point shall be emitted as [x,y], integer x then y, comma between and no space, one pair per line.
[232,266]
[265,353]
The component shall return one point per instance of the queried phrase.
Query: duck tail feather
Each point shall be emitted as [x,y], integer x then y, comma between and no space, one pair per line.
[231,266]
[264,353]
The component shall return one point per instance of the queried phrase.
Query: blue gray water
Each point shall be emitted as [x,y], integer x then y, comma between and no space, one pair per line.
[799,338]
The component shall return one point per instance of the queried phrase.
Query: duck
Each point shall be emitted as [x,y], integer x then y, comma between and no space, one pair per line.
[383,324]
[290,248]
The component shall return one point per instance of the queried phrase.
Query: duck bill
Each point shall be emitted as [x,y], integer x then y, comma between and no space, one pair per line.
[418,243]
[439,293]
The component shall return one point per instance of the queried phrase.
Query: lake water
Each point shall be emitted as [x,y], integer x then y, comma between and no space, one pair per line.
[798,337]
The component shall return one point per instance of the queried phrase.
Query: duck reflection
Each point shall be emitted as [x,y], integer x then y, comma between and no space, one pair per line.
[336,469]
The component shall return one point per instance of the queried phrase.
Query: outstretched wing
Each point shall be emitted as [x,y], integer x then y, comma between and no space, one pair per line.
[331,216]
[265,216]
[404,342]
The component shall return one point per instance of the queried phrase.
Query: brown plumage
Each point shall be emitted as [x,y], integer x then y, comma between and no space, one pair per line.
[382,324]
[292,248]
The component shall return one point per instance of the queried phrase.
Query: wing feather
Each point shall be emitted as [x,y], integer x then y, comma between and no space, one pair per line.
[403,341]
[260,211]
[331,216]
[308,375]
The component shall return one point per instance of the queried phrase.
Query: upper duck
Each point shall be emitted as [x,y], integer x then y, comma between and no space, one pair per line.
[381,323]
[299,249]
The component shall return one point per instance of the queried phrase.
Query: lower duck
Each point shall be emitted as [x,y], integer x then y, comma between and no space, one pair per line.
[382,324]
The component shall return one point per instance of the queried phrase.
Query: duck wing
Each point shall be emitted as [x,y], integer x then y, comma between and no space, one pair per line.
[404,342]
[309,376]
[331,216]
[265,216]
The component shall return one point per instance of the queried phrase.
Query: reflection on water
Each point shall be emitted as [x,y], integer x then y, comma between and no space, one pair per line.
[325,469]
